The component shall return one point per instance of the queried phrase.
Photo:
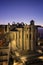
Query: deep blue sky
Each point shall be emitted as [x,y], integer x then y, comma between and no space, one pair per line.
[21,11]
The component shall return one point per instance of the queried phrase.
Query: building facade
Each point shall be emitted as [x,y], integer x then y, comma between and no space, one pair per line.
[18,36]
[26,36]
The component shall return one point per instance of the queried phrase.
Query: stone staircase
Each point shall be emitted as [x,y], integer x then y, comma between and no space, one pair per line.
[4,55]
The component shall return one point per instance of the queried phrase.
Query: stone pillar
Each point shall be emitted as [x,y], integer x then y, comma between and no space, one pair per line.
[32,39]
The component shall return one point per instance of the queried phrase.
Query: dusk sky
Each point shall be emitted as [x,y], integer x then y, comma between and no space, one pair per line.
[21,11]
